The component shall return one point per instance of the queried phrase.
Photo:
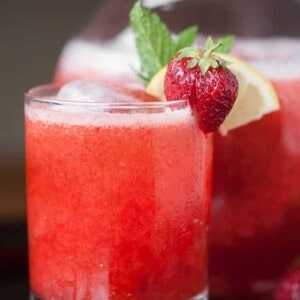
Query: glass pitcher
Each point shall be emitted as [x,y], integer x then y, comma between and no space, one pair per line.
[256,204]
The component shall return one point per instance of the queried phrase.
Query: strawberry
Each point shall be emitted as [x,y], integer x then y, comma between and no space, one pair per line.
[202,78]
[289,286]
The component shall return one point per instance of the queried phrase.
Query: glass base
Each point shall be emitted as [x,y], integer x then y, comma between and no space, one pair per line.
[202,296]
[32,296]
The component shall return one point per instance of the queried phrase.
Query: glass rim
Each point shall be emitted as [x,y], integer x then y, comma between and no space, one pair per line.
[32,95]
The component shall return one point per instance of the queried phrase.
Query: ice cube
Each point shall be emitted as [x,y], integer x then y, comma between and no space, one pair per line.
[92,91]
[105,92]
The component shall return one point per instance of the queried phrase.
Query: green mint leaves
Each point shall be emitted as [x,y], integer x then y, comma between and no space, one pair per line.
[226,41]
[156,46]
[154,42]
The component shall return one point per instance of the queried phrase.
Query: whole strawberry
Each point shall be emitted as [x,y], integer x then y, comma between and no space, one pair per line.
[289,286]
[202,78]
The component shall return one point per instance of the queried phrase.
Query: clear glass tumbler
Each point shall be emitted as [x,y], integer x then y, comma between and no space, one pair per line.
[118,199]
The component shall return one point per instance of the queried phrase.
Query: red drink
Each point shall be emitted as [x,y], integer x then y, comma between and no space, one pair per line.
[256,207]
[118,200]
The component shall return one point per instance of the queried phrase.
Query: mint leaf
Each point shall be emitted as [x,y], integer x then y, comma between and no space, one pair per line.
[187,37]
[154,43]
[226,41]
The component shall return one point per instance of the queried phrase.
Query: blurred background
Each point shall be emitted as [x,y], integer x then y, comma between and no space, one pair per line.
[33,33]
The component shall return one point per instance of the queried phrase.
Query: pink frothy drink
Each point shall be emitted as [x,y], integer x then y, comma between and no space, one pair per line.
[256,200]
[118,196]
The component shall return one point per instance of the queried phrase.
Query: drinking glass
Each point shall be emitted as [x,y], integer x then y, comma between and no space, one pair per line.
[118,199]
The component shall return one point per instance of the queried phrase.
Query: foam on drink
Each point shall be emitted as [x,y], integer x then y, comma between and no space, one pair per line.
[90,103]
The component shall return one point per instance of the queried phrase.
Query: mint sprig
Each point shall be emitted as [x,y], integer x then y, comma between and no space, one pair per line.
[156,45]
[154,41]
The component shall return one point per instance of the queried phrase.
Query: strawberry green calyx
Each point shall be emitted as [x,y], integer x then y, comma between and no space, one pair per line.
[209,52]
[203,58]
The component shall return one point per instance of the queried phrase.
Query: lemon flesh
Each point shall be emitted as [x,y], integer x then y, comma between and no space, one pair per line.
[256,96]
[156,85]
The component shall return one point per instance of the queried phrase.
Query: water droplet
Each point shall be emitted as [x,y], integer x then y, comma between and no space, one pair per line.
[196,221]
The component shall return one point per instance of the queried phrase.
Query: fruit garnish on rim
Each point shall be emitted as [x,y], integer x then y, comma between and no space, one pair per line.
[203,78]
[223,91]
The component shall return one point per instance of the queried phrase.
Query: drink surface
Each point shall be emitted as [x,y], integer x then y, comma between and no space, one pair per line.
[118,204]
[256,206]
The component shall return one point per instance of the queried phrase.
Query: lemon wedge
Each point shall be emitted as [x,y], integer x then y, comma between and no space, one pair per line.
[156,85]
[256,96]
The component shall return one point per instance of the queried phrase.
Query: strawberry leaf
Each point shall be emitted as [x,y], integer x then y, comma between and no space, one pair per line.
[204,65]
[213,63]
[209,43]
[193,63]
[189,52]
